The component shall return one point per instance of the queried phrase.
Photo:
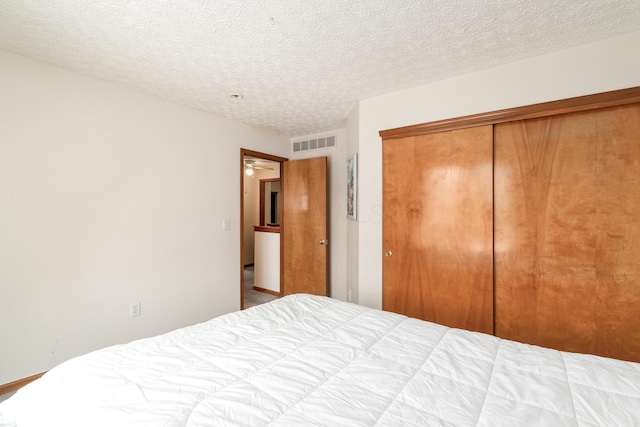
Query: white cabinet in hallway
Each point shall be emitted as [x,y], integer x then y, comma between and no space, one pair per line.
[267,259]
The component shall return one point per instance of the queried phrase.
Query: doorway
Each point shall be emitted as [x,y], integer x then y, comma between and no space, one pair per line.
[259,209]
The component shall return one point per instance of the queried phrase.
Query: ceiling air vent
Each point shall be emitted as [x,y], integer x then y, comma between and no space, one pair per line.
[315,144]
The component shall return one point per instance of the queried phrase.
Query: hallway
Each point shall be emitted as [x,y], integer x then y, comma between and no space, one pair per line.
[251,296]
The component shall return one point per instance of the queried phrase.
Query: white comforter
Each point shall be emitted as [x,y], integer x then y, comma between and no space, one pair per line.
[305,360]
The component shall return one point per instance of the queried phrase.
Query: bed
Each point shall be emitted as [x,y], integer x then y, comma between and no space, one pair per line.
[305,360]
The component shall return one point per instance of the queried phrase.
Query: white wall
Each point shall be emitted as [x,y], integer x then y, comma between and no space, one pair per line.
[598,67]
[337,176]
[108,197]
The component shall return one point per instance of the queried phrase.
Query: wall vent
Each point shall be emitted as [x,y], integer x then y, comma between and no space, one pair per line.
[315,144]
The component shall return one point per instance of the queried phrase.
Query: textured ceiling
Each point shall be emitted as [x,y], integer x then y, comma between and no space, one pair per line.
[301,65]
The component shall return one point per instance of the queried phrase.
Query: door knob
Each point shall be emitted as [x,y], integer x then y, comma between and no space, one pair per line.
[323,242]
[388,253]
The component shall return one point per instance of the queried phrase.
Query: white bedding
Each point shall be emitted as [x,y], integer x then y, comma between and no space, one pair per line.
[305,360]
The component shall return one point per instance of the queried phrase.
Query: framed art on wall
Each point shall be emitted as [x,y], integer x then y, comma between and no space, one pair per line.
[352,186]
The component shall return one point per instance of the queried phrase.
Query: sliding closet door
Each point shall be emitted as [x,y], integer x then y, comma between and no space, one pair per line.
[437,227]
[567,231]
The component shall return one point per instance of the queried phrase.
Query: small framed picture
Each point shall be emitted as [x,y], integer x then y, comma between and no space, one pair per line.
[352,187]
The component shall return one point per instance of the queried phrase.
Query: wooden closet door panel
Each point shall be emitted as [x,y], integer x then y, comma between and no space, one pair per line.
[545,231]
[618,233]
[561,184]
[437,223]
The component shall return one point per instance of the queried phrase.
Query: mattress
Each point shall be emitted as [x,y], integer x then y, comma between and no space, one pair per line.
[314,361]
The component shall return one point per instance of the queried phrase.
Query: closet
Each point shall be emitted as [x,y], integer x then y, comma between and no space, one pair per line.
[524,223]
[438,227]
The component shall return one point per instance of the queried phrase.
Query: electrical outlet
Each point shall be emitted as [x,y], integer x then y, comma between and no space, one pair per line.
[134,309]
[349,294]
[226,224]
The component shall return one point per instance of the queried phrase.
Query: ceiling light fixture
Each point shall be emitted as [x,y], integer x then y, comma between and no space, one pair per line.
[248,170]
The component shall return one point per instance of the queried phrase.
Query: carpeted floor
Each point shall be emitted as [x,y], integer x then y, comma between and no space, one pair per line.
[251,297]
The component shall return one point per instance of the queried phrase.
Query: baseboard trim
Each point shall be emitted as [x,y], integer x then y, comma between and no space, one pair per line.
[18,384]
[267,291]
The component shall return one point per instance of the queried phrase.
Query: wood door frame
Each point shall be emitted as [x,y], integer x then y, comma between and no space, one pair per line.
[246,152]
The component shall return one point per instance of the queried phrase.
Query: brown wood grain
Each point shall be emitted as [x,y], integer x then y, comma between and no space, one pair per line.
[304,223]
[618,233]
[567,235]
[437,222]
[544,109]
[266,229]
[18,384]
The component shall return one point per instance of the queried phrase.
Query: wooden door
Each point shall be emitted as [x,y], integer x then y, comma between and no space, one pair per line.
[304,226]
[437,227]
[567,231]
